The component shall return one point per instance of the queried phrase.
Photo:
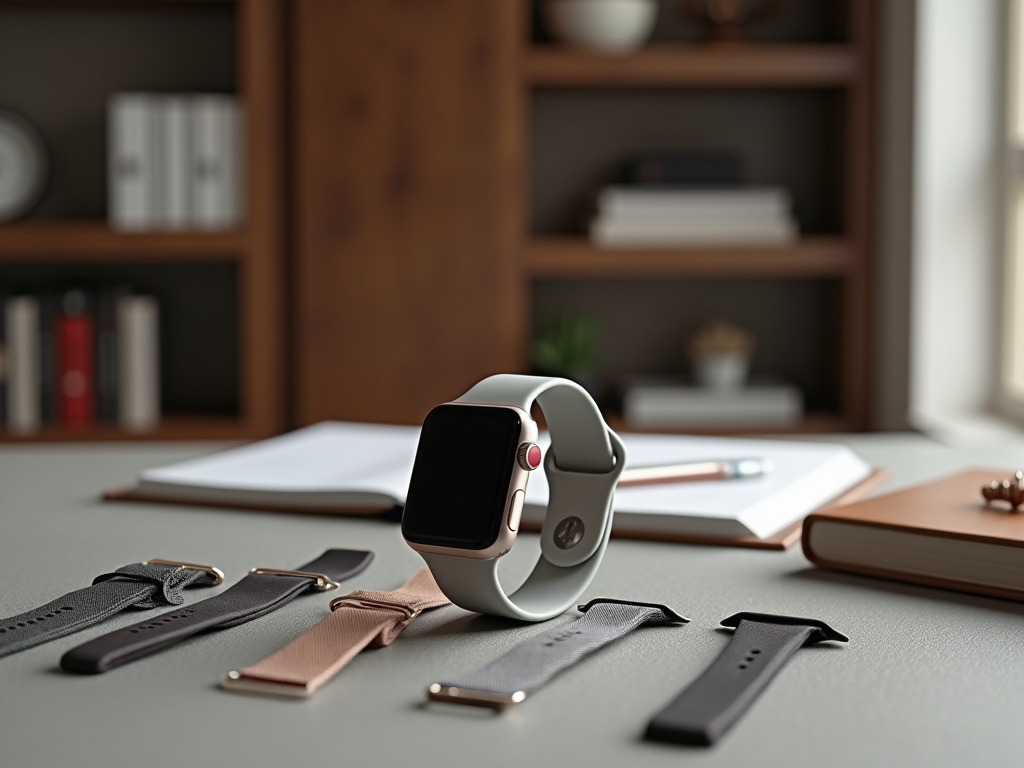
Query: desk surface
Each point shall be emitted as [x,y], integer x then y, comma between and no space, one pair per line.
[929,677]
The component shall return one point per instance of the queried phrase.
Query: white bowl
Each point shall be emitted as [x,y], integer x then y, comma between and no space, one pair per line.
[608,26]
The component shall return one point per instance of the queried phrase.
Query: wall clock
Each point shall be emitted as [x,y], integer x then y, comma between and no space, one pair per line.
[24,165]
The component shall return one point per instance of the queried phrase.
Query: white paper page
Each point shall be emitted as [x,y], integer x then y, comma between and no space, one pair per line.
[805,476]
[338,457]
[326,457]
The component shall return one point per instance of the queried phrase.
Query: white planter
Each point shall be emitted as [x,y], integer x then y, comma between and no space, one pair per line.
[607,26]
[721,371]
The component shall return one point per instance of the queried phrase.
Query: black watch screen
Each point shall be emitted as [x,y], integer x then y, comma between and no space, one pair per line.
[461,476]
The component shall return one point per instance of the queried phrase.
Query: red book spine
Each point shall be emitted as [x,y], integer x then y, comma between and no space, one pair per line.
[75,369]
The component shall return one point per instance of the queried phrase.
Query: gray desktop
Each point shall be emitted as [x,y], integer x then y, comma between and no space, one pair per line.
[928,678]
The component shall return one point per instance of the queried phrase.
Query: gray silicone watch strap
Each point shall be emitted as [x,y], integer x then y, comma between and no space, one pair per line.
[582,466]
[760,647]
[508,679]
[133,586]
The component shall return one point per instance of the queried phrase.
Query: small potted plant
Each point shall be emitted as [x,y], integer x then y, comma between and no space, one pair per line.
[567,347]
[720,352]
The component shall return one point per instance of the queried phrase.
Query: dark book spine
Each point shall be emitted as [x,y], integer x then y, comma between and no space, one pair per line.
[75,357]
[108,350]
[4,359]
[697,170]
[49,308]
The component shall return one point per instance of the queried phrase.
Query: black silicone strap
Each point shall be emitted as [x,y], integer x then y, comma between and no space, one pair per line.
[134,586]
[508,679]
[255,595]
[760,647]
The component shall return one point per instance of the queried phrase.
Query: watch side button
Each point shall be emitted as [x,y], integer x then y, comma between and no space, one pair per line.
[515,510]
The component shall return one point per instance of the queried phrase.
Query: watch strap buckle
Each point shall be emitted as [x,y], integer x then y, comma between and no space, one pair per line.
[357,600]
[217,573]
[322,582]
[452,694]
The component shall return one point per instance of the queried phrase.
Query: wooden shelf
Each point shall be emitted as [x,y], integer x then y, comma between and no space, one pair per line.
[812,424]
[170,428]
[697,65]
[576,257]
[73,241]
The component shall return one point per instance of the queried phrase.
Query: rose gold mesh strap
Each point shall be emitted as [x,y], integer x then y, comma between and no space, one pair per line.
[361,619]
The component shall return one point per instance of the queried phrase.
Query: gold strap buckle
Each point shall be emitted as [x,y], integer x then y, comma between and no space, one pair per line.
[236,681]
[323,583]
[451,694]
[355,600]
[217,573]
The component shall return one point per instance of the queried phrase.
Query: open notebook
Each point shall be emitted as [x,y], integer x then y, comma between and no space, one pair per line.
[346,468]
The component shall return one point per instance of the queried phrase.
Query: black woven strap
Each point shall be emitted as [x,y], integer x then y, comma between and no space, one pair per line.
[508,679]
[133,586]
[254,596]
[760,647]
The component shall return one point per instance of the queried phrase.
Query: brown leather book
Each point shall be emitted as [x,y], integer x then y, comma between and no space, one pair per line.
[941,534]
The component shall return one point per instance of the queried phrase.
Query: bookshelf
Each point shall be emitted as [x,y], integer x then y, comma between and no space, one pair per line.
[233,46]
[819,88]
[443,156]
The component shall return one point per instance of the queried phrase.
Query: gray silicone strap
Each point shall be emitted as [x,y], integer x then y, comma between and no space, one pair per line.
[718,698]
[578,431]
[532,663]
[133,586]
[582,466]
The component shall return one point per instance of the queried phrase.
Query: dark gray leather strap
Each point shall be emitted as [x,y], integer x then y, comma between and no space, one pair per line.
[528,666]
[133,586]
[718,698]
[254,596]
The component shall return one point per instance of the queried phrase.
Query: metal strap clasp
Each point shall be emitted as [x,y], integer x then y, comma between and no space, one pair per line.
[355,600]
[217,573]
[451,694]
[323,583]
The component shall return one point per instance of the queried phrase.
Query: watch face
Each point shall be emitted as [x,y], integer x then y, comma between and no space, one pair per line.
[460,480]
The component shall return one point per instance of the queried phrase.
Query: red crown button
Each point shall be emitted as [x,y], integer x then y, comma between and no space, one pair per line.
[529,456]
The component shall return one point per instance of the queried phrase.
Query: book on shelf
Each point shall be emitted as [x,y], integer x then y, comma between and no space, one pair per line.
[75,370]
[22,325]
[139,363]
[175,161]
[940,534]
[3,357]
[654,402]
[216,162]
[49,391]
[688,169]
[108,352]
[131,136]
[77,356]
[348,468]
[172,173]
[643,216]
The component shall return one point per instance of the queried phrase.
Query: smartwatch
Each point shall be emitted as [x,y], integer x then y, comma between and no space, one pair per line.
[468,486]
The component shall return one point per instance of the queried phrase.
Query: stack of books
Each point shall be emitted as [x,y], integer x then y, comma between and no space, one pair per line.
[664,402]
[651,217]
[175,162]
[78,356]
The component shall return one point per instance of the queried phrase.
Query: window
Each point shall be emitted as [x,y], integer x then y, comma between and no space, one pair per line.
[1012,368]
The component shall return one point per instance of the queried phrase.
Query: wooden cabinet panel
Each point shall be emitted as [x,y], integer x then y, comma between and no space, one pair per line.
[408,197]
